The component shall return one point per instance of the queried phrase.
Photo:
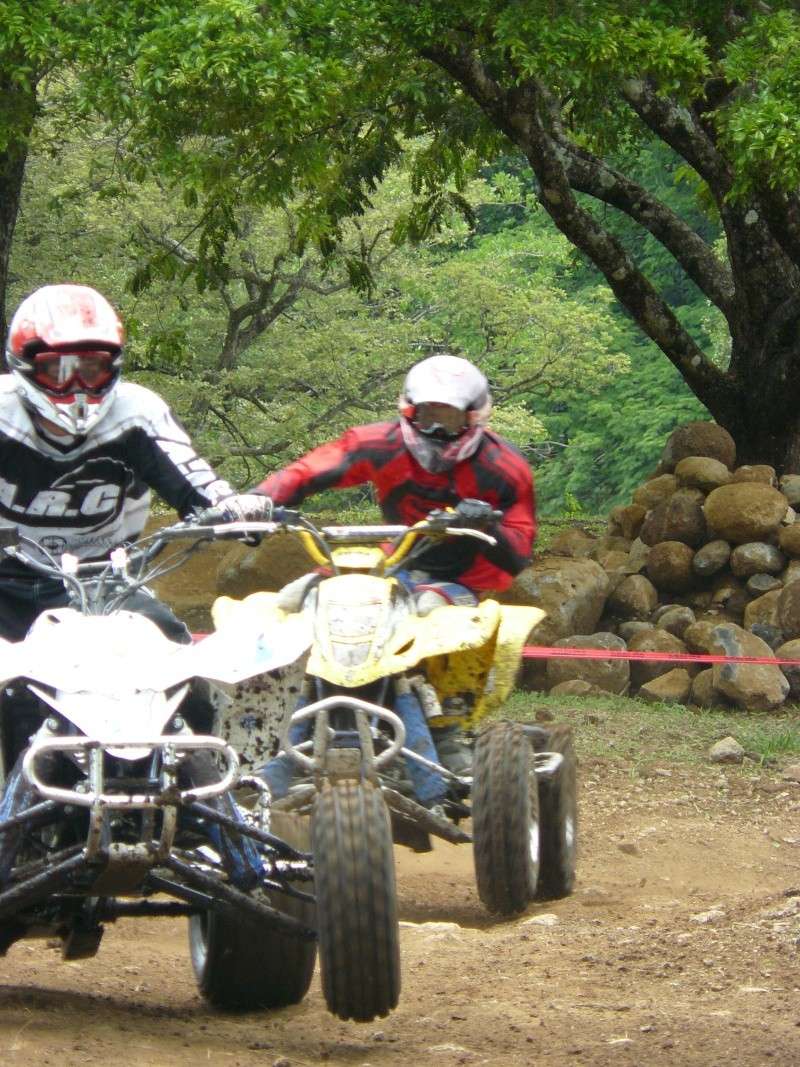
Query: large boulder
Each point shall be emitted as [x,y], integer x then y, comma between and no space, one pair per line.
[789,485]
[637,556]
[702,472]
[753,686]
[655,490]
[573,594]
[756,557]
[698,439]
[698,636]
[712,557]
[789,610]
[610,675]
[763,611]
[679,518]
[634,598]
[758,584]
[745,511]
[572,542]
[789,539]
[675,619]
[653,641]
[669,566]
[791,650]
[755,472]
[571,591]
[702,692]
[670,688]
[626,520]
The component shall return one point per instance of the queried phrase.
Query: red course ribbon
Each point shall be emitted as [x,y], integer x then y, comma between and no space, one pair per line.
[544,652]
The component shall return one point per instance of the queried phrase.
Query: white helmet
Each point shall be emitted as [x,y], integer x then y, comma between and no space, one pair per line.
[65,350]
[451,380]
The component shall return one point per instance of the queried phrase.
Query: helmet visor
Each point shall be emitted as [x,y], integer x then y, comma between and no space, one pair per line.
[66,372]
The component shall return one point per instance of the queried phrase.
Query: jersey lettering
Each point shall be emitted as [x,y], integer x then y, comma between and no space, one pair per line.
[52,502]
[100,500]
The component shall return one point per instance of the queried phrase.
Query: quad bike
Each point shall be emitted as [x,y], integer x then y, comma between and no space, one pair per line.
[111,799]
[379,670]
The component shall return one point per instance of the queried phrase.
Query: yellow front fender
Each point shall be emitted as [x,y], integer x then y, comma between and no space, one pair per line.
[445,631]
[482,678]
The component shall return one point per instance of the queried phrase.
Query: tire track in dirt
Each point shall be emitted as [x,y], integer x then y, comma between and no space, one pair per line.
[680,946]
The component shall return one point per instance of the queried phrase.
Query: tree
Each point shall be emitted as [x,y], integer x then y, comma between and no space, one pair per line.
[318,96]
[274,349]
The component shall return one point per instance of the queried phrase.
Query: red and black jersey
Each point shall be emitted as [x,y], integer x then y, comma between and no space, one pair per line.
[406,492]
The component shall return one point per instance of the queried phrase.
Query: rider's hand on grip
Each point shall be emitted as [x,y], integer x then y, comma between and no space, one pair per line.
[475,514]
[240,507]
[286,516]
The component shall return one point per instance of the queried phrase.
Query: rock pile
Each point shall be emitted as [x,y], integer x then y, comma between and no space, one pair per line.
[705,558]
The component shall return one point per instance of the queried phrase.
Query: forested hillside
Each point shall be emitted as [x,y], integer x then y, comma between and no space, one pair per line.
[286,348]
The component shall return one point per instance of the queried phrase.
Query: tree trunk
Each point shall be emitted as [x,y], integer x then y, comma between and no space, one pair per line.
[759,405]
[18,114]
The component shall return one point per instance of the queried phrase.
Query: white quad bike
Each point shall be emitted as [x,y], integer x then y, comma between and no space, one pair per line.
[110,799]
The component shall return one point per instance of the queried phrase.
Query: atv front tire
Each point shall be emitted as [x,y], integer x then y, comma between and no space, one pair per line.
[505,818]
[354,882]
[241,964]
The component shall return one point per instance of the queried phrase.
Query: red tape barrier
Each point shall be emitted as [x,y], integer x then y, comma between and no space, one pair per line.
[543,652]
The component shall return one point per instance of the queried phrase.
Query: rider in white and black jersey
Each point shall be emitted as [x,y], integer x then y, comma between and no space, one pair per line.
[79,454]
[80,451]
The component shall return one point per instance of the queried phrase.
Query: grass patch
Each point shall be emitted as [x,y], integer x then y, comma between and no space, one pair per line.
[633,731]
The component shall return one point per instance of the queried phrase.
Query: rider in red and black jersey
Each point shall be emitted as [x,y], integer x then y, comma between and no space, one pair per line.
[438,454]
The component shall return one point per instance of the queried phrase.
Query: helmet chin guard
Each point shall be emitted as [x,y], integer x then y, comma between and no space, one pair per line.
[75,413]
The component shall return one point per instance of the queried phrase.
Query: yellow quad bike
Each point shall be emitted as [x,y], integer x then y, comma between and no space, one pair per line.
[380,674]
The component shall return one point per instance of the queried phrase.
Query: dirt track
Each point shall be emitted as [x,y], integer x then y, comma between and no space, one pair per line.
[682,946]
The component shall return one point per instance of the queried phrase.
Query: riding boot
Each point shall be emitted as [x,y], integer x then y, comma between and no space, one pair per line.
[455,752]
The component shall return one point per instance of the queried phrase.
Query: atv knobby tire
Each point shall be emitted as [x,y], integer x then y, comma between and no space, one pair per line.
[241,964]
[558,818]
[354,882]
[505,818]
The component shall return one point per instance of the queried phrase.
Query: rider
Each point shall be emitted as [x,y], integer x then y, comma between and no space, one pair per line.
[438,454]
[80,451]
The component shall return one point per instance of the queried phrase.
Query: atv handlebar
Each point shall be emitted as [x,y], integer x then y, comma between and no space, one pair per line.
[319,542]
[95,586]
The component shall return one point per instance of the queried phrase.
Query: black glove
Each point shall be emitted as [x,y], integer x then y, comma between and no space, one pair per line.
[240,507]
[476,514]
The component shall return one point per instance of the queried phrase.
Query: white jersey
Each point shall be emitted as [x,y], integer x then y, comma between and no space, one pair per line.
[88,497]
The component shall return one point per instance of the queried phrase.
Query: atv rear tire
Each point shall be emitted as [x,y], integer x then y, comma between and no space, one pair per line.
[558,815]
[241,964]
[505,818]
[359,949]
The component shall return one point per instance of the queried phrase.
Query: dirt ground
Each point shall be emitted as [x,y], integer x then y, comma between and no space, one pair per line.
[679,946]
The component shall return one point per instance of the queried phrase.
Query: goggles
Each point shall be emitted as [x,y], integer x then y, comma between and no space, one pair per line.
[66,372]
[440,419]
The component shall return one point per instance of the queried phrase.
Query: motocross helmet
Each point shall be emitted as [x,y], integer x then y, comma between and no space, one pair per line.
[439,444]
[64,349]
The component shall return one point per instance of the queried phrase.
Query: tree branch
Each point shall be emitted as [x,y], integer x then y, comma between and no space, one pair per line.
[588,174]
[518,113]
[677,126]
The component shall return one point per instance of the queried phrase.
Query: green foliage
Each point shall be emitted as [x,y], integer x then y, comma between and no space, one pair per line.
[619,728]
[325,146]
